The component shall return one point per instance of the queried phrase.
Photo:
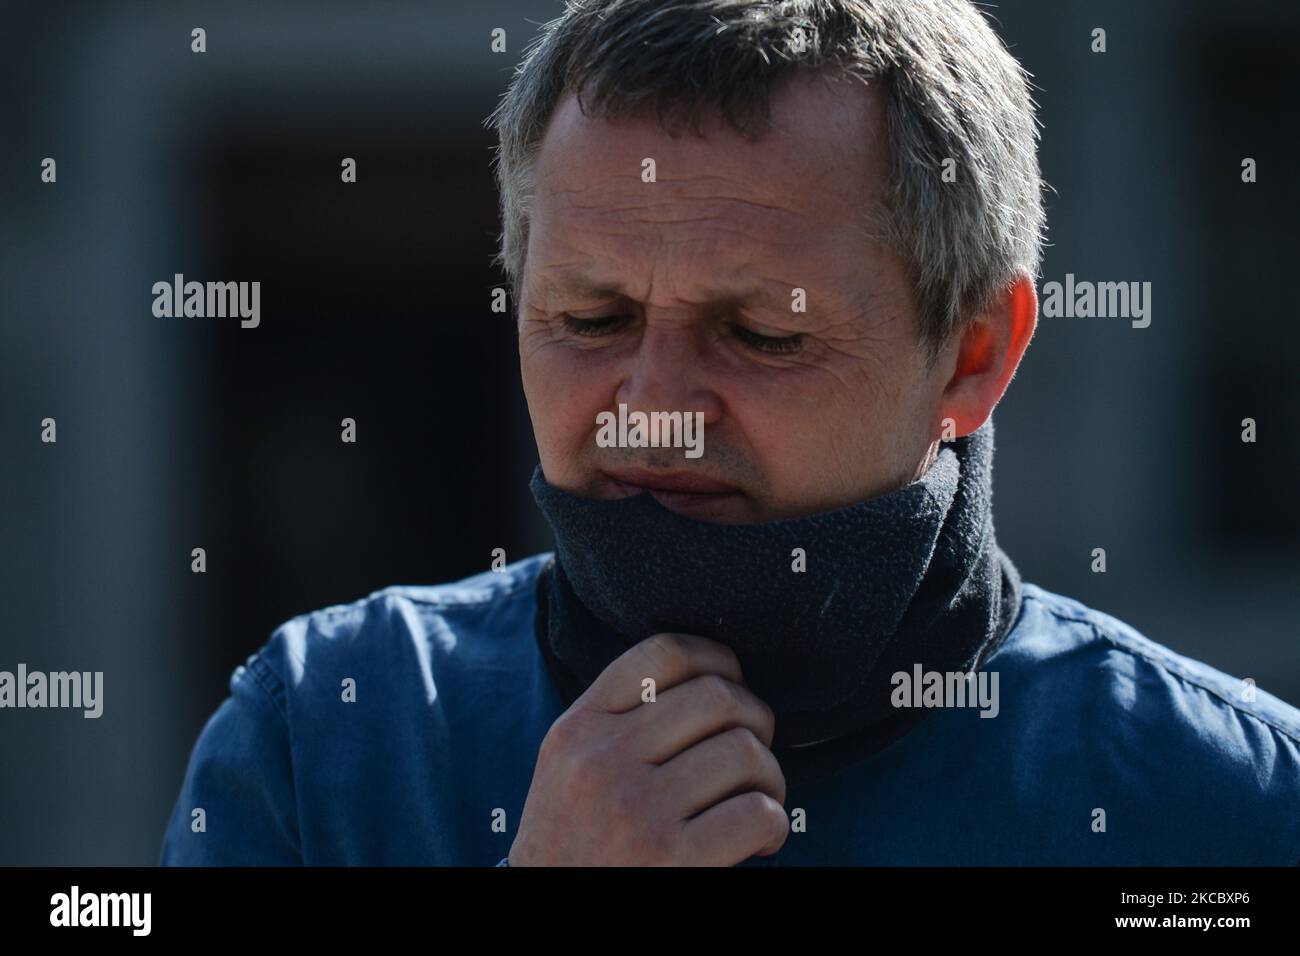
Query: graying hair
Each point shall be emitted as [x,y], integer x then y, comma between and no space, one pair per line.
[953,92]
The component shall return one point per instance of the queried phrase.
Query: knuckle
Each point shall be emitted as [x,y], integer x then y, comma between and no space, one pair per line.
[779,821]
[772,815]
[758,715]
[561,736]
[748,746]
[732,657]
[778,778]
[720,694]
[577,754]
[754,754]
[666,651]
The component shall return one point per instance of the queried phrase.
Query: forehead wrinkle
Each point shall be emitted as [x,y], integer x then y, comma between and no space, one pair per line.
[747,284]
[718,216]
[702,187]
[573,279]
[834,299]
[740,255]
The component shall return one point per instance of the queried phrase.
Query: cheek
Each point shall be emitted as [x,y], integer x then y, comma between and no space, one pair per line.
[778,420]
[565,391]
[789,408]
[820,440]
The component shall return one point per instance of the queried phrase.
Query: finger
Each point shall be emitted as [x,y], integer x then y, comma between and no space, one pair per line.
[668,659]
[731,832]
[693,711]
[717,769]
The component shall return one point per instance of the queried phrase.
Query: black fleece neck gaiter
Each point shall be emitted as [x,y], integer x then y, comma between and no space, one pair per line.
[821,610]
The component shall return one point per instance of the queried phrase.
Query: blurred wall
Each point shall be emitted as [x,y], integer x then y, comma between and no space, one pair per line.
[175,434]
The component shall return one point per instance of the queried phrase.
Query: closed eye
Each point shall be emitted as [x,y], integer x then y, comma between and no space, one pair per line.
[603,325]
[775,345]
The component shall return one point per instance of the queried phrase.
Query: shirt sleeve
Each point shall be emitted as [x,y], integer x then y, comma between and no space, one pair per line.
[240,776]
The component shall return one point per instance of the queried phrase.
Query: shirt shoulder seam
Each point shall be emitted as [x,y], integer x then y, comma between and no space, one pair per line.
[268,682]
[1057,612]
[517,585]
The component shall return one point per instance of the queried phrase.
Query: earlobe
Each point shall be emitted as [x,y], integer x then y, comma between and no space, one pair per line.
[988,355]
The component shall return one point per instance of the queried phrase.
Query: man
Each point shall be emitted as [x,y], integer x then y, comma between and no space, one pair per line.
[811,230]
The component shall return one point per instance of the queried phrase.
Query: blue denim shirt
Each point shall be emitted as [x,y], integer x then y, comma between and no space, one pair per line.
[432,760]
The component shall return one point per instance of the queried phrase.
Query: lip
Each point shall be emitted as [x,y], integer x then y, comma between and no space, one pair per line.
[669,481]
[677,491]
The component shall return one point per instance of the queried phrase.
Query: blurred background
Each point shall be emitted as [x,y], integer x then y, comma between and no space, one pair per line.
[184,433]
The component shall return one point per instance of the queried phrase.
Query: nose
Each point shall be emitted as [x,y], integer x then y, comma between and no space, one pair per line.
[670,372]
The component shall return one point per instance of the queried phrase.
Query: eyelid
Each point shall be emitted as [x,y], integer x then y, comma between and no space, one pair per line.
[601,325]
[593,326]
[770,344]
[766,332]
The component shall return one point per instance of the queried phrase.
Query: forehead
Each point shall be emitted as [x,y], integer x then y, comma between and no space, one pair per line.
[795,195]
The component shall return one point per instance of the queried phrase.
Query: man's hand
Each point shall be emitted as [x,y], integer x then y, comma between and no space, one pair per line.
[687,779]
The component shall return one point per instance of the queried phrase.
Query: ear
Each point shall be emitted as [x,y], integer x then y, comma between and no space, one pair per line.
[988,355]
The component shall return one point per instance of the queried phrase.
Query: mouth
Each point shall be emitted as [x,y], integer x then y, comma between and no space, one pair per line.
[682,492]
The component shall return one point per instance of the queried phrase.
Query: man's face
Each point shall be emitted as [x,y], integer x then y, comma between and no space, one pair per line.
[677,296]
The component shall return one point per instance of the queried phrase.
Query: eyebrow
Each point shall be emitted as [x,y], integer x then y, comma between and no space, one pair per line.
[579,285]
